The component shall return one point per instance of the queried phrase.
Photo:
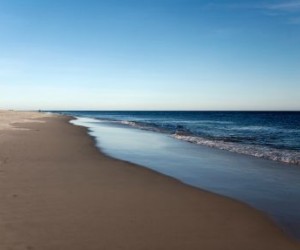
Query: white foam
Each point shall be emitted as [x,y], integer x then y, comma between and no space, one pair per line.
[129,123]
[87,119]
[287,156]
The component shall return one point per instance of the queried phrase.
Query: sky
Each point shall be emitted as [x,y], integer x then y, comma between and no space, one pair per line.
[150,55]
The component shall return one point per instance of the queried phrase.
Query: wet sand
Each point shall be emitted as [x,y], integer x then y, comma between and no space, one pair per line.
[58,192]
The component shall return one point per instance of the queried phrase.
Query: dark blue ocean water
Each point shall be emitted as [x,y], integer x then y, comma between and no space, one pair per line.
[270,135]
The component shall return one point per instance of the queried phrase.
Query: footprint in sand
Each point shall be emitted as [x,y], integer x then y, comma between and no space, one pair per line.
[2,163]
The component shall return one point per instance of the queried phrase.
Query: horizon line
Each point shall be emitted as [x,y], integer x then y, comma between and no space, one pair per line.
[170,110]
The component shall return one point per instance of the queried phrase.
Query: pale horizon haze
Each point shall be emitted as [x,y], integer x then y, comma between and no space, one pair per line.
[150,55]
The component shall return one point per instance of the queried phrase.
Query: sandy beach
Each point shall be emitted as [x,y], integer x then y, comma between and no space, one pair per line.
[59,192]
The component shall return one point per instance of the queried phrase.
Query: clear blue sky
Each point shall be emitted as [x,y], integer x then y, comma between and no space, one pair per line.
[150,54]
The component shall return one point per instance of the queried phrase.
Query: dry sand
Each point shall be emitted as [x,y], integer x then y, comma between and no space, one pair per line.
[58,192]
[9,118]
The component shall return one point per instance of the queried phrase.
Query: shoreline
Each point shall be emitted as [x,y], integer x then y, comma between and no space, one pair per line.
[182,128]
[259,183]
[61,192]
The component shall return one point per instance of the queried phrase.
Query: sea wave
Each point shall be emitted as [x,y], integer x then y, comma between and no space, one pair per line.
[142,125]
[286,156]
[87,119]
[264,129]
[236,144]
[210,122]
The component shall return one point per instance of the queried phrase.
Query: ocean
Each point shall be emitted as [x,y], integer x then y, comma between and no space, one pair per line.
[270,135]
[253,157]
